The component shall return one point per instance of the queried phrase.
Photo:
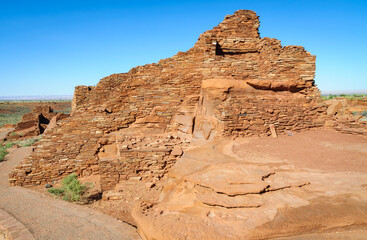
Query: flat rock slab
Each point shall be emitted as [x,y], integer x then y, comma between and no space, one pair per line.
[232,178]
[212,195]
[211,198]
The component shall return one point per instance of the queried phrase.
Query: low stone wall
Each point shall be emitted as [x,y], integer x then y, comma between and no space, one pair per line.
[252,116]
[70,147]
[137,156]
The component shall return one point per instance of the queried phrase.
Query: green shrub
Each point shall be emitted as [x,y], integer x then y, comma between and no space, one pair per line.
[56,191]
[3,150]
[3,153]
[9,145]
[71,190]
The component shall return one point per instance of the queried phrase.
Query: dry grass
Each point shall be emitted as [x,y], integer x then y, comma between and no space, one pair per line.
[11,114]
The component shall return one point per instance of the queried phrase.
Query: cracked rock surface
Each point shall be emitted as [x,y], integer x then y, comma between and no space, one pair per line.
[215,193]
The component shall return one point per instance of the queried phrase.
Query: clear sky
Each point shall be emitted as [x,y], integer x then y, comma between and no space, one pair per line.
[49,47]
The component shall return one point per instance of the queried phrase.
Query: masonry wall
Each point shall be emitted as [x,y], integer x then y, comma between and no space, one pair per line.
[70,147]
[142,156]
[252,116]
[266,77]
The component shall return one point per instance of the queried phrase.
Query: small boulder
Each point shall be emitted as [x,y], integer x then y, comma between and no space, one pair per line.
[334,108]
[186,123]
[177,151]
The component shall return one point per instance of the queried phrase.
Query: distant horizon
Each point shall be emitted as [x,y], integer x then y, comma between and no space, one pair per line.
[36,97]
[70,97]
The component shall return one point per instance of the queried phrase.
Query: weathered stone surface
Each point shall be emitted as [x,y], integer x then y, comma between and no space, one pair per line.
[232,179]
[53,122]
[334,108]
[186,122]
[208,198]
[231,83]
[177,151]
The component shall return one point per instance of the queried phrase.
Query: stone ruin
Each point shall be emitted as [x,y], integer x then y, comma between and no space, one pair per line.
[343,117]
[34,123]
[136,124]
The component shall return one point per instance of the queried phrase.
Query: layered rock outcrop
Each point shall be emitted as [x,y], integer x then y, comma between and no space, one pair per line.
[231,83]
[214,192]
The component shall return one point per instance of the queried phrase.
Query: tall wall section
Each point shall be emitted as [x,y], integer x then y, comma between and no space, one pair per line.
[232,82]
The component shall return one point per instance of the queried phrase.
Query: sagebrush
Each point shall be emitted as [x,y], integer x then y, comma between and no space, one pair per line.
[71,190]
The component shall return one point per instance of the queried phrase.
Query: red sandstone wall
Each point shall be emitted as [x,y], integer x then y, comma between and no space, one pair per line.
[151,96]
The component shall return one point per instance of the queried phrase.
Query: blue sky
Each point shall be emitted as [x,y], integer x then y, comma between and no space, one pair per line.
[49,47]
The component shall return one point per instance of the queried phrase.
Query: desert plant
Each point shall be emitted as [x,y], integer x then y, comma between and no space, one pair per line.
[28,142]
[9,145]
[3,150]
[3,153]
[71,190]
